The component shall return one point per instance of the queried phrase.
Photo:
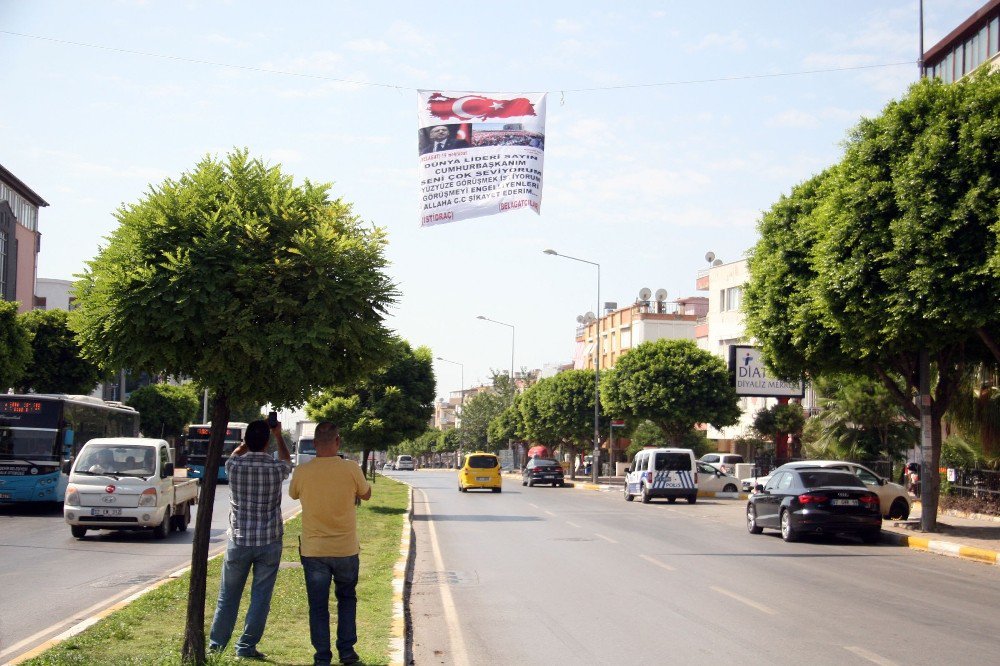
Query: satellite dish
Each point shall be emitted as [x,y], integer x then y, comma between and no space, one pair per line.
[709,257]
[579,319]
[589,317]
[717,262]
[644,294]
[661,295]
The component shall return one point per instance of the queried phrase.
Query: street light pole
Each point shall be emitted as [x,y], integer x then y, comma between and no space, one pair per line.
[597,366]
[462,369]
[513,389]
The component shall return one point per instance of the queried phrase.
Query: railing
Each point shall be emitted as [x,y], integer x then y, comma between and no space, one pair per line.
[978,483]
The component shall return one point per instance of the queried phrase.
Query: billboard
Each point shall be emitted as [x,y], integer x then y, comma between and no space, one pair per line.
[479,154]
[750,377]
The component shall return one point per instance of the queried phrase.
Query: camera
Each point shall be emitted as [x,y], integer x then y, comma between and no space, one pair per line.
[272,420]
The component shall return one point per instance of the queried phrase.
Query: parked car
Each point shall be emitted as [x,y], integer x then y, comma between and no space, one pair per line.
[404,462]
[724,461]
[669,473]
[480,470]
[543,470]
[893,498]
[387,467]
[715,480]
[815,500]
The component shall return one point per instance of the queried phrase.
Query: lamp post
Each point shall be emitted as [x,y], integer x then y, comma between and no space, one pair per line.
[597,364]
[510,442]
[462,367]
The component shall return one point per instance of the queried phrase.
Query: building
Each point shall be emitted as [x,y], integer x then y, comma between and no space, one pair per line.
[972,44]
[52,294]
[20,240]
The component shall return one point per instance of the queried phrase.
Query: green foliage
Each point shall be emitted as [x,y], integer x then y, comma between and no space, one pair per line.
[246,412]
[57,365]
[957,452]
[448,441]
[164,409]
[672,383]
[975,409]
[15,348]
[649,434]
[483,408]
[560,410]
[775,419]
[259,289]
[508,425]
[389,405]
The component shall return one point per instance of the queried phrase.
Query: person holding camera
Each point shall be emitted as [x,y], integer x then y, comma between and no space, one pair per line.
[255,536]
[329,488]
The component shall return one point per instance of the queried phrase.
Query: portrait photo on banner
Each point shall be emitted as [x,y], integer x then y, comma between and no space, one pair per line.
[442,137]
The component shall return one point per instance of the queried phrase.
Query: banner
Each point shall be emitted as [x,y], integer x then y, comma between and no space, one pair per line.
[749,376]
[480,154]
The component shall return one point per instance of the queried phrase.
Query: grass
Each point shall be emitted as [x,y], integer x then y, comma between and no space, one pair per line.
[151,629]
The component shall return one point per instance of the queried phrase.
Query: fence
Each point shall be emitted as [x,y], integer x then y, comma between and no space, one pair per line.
[978,483]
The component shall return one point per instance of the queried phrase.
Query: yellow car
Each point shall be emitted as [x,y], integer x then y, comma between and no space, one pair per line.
[481,470]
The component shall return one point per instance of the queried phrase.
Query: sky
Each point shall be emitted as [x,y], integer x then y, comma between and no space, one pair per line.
[671,127]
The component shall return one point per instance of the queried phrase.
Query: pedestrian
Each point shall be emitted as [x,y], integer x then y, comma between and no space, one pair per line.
[329,488]
[255,534]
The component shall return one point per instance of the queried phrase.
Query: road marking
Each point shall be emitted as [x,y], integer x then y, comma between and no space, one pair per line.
[608,539]
[749,602]
[870,656]
[458,655]
[532,505]
[549,512]
[653,560]
[573,524]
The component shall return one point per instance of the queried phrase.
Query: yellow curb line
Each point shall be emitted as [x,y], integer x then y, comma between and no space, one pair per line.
[948,548]
[397,633]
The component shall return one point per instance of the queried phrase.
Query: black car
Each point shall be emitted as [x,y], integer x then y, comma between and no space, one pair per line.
[815,500]
[542,470]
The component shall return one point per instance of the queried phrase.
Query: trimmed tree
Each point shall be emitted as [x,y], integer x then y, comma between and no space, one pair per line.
[15,348]
[258,289]
[57,364]
[164,409]
[674,384]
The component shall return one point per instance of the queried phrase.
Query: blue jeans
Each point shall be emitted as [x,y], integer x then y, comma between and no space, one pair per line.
[344,573]
[239,559]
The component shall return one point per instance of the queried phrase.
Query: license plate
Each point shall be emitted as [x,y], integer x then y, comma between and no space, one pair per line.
[482,479]
[5,496]
[841,502]
[105,512]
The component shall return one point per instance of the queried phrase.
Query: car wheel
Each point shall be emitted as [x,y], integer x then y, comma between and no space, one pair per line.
[730,488]
[899,510]
[523,482]
[496,490]
[646,497]
[752,526]
[162,530]
[562,484]
[78,531]
[692,499]
[788,533]
[628,496]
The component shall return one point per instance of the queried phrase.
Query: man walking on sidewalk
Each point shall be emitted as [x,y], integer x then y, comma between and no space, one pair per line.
[329,488]
[255,535]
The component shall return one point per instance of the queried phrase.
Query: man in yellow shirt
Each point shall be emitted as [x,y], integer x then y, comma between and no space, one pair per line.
[329,488]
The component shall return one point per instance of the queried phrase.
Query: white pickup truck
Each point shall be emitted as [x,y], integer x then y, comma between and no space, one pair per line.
[127,483]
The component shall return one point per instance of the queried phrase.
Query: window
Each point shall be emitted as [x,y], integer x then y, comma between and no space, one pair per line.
[786,481]
[866,476]
[982,40]
[673,462]
[994,36]
[730,299]
[3,264]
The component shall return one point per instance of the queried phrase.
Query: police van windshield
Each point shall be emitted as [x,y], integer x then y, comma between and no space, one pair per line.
[672,462]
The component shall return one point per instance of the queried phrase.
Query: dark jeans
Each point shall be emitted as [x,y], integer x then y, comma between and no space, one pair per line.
[319,571]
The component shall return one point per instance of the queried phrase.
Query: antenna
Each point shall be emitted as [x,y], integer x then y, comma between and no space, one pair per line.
[661,295]
[709,256]
[644,294]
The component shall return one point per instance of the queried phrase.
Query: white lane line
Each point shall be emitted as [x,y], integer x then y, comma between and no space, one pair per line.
[870,656]
[532,505]
[608,539]
[653,560]
[458,654]
[573,524]
[749,602]
[549,512]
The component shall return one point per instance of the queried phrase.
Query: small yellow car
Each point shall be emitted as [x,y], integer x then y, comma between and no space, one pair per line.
[480,470]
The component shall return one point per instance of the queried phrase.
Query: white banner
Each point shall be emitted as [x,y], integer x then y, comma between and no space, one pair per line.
[480,154]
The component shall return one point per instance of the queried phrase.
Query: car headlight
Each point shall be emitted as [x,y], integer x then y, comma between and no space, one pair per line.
[148,497]
[72,497]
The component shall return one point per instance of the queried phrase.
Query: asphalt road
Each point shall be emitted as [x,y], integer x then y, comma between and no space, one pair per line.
[50,581]
[551,575]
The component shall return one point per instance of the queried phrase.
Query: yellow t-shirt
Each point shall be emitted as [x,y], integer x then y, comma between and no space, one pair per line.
[327,487]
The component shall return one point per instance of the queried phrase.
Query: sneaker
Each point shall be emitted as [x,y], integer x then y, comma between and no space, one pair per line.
[255,655]
[350,659]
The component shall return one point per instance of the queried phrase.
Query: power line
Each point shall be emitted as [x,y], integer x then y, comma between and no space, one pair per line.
[267,70]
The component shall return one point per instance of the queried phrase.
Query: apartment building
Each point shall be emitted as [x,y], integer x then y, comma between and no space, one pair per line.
[974,43]
[20,240]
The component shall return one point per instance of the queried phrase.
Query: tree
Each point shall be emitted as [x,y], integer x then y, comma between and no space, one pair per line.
[674,384]
[890,255]
[164,409]
[389,405]
[245,413]
[57,365]
[15,349]
[781,420]
[258,289]
[481,409]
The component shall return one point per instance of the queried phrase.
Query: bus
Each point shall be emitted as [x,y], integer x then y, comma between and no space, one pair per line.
[41,434]
[196,447]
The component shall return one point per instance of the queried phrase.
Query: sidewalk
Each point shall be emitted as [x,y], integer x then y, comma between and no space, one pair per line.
[968,537]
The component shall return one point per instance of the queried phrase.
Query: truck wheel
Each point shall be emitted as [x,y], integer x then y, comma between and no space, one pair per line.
[79,531]
[182,519]
[162,530]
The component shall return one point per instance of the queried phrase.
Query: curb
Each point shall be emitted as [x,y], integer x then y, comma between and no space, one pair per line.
[949,548]
[399,653]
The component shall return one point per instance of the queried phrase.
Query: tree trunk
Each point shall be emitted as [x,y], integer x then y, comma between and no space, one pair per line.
[930,478]
[194,631]
[364,461]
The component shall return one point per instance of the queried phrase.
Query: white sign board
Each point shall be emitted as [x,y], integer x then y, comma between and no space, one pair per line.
[750,376]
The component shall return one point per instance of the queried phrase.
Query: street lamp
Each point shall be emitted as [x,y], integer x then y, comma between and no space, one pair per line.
[462,367]
[510,442]
[597,364]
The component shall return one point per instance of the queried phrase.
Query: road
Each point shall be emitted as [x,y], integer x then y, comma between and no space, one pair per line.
[50,581]
[557,575]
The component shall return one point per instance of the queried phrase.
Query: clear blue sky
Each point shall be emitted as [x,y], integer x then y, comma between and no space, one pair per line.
[644,180]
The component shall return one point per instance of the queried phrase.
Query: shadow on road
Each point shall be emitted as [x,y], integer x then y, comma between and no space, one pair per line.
[32,509]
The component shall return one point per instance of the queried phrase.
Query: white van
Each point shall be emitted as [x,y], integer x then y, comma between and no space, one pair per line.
[669,473]
[404,462]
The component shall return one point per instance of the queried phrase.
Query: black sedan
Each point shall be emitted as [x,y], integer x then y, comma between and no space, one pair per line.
[542,470]
[815,501]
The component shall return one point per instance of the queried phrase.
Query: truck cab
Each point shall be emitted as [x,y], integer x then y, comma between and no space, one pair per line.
[128,483]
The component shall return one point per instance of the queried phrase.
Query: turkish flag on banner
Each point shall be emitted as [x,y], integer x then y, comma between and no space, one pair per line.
[472,107]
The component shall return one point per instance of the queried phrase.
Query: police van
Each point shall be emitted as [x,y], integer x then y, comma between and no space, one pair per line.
[664,472]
